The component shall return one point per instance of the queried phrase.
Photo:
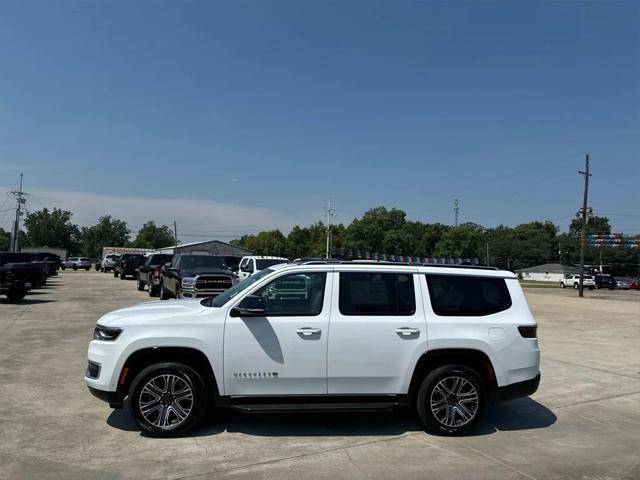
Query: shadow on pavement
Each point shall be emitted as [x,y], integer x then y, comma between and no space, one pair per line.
[27,301]
[523,414]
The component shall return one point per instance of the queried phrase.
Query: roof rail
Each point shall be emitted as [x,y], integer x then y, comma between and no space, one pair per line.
[386,262]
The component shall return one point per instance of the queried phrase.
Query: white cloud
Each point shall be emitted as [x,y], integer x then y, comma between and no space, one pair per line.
[202,218]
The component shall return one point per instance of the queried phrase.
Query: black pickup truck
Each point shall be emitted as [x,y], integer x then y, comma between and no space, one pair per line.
[128,265]
[51,259]
[149,273]
[25,268]
[13,284]
[195,276]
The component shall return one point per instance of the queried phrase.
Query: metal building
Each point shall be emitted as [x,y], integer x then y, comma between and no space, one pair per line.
[213,247]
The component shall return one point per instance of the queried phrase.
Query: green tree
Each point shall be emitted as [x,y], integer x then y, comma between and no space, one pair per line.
[462,241]
[52,229]
[432,234]
[595,226]
[5,240]
[368,233]
[108,232]
[154,236]
[271,242]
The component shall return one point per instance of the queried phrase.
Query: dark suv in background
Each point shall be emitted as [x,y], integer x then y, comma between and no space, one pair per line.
[149,273]
[605,281]
[128,265]
[195,276]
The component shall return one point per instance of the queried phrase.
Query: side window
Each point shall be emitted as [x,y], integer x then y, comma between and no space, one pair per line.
[458,295]
[377,294]
[297,294]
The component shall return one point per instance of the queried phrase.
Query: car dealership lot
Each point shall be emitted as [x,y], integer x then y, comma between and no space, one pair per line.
[582,423]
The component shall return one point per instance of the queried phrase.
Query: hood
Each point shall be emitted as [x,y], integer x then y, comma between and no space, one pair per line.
[153,312]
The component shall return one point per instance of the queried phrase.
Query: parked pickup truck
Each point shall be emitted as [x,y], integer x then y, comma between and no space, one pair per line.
[195,276]
[13,284]
[149,273]
[128,265]
[23,268]
[51,259]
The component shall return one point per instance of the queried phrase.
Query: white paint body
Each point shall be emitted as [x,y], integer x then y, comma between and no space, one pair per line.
[347,354]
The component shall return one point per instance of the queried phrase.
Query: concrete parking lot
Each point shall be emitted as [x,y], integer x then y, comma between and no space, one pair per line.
[583,423]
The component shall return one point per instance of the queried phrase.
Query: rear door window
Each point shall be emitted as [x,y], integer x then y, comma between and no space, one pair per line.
[376,294]
[467,296]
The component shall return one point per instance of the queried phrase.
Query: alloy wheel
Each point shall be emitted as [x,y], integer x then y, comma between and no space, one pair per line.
[166,401]
[454,401]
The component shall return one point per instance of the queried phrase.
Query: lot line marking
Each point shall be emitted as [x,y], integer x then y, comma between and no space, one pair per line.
[596,400]
[546,358]
[213,473]
[496,460]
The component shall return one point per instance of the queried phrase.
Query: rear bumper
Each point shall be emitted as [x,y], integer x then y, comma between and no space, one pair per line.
[517,390]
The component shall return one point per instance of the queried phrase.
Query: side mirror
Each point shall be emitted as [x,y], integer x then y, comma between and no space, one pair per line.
[251,306]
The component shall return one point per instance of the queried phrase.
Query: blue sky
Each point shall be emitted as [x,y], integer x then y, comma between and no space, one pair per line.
[242,115]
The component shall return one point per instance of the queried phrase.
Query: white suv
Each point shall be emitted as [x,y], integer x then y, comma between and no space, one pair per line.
[324,336]
[574,281]
[253,264]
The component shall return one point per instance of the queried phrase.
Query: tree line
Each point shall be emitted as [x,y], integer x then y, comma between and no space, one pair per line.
[378,230]
[54,228]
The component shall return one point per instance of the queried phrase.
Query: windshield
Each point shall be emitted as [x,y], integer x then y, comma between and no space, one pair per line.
[265,263]
[223,298]
[160,259]
[202,261]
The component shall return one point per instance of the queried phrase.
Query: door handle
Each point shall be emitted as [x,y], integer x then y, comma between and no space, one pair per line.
[407,331]
[307,331]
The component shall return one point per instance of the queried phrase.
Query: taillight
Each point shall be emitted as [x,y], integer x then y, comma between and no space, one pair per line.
[527,331]
[156,271]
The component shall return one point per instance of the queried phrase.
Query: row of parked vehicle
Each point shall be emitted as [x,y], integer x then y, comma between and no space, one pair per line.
[186,275]
[22,272]
[600,281]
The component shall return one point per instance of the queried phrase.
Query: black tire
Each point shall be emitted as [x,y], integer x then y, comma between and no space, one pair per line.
[430,396]
[15,295]
[115,274]
[562,285]
[153,291]
[186,381]
[140,285]
[75,267]
[63,267]
[576,286]
[123,276]
[102,270]
[164,293]
[87,268]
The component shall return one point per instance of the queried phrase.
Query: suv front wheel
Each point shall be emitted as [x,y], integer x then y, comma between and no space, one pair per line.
[168,399]
[451,400]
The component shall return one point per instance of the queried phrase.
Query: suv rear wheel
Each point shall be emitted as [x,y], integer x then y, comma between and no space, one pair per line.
[168,399]
[451,400]
[164,294]
[140,284]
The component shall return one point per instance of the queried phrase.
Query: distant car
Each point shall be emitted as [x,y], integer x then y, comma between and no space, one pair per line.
[605,281]
[574,281]
[77,262]
[108,262]
[634,284]
[623,283]
[149,273]
[252,264]
[128,265]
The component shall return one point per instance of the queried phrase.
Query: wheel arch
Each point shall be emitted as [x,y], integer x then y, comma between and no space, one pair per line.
[472,358]
[140,359]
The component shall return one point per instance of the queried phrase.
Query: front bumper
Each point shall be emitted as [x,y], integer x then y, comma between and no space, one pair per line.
[114,399]
[517,390]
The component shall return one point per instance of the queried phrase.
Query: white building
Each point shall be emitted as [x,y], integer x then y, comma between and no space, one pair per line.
[548,272]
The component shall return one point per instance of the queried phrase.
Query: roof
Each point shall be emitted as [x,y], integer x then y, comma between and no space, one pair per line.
[205,242]
[396,267]
[551,268]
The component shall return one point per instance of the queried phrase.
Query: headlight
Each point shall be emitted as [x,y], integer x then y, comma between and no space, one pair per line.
[106,334]
[188,283]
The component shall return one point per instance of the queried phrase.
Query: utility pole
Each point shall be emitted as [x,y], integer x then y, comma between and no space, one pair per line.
[175,235]
[329,212]
[456,210]
[15,235]
[583,237]
[487,254]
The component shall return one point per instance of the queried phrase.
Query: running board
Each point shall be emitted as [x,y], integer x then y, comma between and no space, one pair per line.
[314,407]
